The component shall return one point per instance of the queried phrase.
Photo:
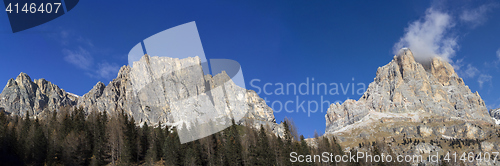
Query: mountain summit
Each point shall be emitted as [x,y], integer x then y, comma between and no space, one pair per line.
[405,87]
[149,91]
[416,109]
[155,90]
[21,95]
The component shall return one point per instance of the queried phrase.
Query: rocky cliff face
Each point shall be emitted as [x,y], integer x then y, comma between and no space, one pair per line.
[415,109]
[162,89]
[154,90]
[406,86]
[23,95]
[173,91]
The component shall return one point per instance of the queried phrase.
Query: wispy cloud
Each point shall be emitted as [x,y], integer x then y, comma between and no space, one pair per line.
[457,65]
[63,37]
[430,37]
[107,70]
[470,72]
[477,16]
[498,54]
[495,105]
[85,41]
[494,64]
[80,57]
[483,78]
[79,51]
[436,35]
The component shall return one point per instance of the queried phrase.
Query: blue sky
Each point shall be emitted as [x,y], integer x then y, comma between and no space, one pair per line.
[275,42]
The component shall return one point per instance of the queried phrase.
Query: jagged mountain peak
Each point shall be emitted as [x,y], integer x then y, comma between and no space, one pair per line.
[11,82]
[405,86]
[438,68]
[155,89]
[99,83]
[123,72]
[24,80]
[23,76]
[405,56]
[23,94]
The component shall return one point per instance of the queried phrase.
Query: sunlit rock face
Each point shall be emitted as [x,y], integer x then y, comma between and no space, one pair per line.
[407,86]
[155,90]
[173,91]
[22,95]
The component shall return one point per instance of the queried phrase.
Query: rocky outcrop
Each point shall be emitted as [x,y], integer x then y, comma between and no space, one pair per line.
[426,136]
[495,113]
[415,108]
[23,95]
[173,91]
[406,86]
[155,90]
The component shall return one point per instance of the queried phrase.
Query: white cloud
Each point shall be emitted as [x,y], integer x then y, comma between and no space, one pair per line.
[85,41]
[484,78]
[494,64]
[458,64]
[477,16]
[498,54]
[429,37]
[495,105]
[471,71]
[468,71]
[80,58]
[107,70]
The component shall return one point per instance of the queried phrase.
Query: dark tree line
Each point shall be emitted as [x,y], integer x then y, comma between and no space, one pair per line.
[70,137]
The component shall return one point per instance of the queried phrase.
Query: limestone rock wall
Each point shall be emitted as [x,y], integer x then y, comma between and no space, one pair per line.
[152,90]
[161,89]
[405,85]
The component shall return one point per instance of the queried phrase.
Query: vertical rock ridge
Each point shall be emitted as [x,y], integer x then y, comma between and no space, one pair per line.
[155,88]
[403,86]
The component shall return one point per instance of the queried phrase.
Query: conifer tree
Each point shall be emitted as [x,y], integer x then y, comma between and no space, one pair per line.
[99,139]
[172,150]
[159,141]
[40,144]
[304,149]
[280,155]
[144,140]
[264,155]
[287,148]
[24,147]
[233,145]
[219,149]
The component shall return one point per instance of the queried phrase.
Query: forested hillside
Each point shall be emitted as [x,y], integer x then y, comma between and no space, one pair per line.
[72,138]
